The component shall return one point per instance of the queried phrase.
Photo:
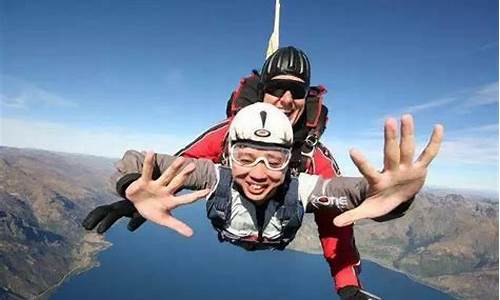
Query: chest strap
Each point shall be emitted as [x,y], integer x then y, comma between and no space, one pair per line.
[289,212]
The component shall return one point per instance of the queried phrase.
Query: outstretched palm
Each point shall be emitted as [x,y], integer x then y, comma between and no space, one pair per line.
[155,199]
[401,178]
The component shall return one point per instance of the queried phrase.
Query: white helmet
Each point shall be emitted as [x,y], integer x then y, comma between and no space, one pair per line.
[261,123]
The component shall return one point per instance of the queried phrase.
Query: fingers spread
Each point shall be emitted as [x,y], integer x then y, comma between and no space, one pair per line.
[171,171]
[180,178]
[179,226]
[190,198]
[391,147]
[363,166]
[432,148]
[407,144]
[147,168]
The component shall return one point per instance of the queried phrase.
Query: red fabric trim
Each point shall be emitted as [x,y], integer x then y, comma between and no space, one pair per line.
[339,250]
[323,164]
[210,144]
[338,244]
[236,94]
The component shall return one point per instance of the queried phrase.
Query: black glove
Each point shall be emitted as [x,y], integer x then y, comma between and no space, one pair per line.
[107,215]
[355,293]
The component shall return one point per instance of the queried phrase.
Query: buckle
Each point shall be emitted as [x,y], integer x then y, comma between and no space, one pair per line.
[311,140]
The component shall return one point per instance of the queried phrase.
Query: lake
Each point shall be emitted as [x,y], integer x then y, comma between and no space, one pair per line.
[156,263]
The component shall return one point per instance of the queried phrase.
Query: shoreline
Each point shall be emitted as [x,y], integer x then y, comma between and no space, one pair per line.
[60,282]
[413,278]
[106,244]
[381,264]
[93,262]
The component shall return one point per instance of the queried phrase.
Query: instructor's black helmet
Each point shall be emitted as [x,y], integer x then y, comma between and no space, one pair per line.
[287,61]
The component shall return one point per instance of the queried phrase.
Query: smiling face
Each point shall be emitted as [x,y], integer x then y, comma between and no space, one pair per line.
[257,181]
[260,140]
[291,106]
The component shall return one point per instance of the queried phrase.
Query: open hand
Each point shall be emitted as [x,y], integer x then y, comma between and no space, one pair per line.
[155,199]
[401,178]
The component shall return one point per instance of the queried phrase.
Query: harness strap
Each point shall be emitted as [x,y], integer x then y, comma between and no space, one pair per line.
[290,213]
[219,204]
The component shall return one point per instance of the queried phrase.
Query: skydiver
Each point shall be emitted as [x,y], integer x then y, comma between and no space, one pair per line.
[259,156]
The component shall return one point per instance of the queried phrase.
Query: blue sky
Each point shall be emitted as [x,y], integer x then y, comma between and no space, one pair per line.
[100,77]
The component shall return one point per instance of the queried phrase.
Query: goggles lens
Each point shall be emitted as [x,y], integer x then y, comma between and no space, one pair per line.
[274,158]
[279,87]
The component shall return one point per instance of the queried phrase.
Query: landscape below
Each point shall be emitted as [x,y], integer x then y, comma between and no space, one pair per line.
[447,240]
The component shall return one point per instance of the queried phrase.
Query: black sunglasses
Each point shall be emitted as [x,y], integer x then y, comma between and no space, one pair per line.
[279,87]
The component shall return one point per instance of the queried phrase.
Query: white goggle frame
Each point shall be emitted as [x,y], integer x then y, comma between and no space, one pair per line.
[259,159]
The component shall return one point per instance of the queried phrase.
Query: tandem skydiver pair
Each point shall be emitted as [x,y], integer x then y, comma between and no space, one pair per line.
[262,166]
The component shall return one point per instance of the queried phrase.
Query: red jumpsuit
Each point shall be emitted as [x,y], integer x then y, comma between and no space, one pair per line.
[338,244]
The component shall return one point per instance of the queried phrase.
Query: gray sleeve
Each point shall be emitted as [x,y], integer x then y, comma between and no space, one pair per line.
[129,169]
[339,193]
[344,193]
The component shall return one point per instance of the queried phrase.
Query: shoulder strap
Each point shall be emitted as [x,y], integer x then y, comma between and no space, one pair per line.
[219,204]
[313,123]
[291,212]
[314,106]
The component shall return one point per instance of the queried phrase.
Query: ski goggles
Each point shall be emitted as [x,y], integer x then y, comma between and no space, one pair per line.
[278,87]
[249,155]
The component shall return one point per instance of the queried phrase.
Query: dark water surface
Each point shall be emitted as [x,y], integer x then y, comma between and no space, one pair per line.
[155,263]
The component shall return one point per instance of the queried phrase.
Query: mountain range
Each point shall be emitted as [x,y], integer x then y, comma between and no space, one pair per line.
[447,240]
[43,198]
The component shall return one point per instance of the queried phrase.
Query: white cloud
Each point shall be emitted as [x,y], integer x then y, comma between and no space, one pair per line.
[17,103]
[474,148]
[109,142]
[17,93]
[429,105]
[462,101]
[484,95]
[485,130]
[470,151]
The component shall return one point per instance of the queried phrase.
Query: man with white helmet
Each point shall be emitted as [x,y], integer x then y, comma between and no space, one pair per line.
[255,202]
[259,151]
[284,81]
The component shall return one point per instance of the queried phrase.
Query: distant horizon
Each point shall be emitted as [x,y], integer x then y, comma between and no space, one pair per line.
[99,77]
[492,194]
